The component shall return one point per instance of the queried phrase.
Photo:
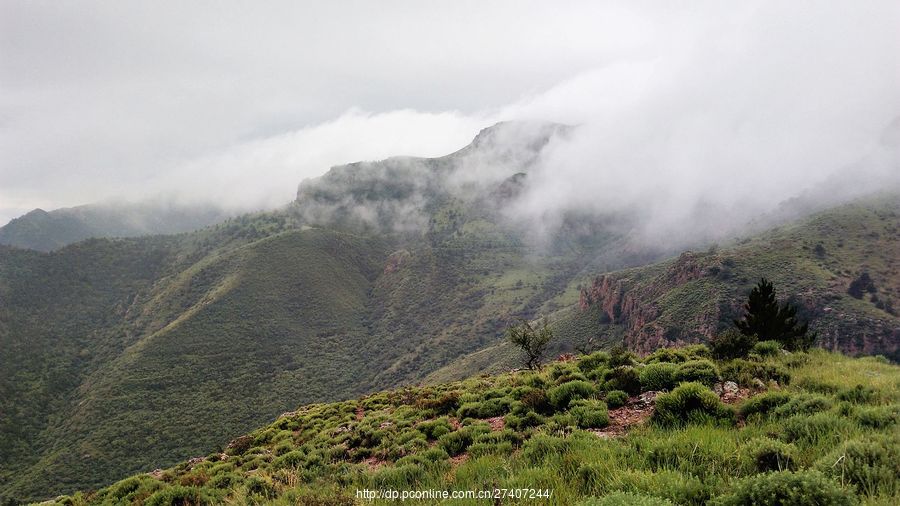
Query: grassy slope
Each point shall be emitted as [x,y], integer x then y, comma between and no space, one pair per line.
[393,440]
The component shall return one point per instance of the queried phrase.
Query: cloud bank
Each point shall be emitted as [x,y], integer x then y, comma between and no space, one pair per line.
[701,114]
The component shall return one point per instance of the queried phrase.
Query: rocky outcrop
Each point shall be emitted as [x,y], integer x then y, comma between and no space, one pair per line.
[631,304]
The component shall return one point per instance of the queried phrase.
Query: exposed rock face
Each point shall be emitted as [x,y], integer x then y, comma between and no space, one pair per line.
[690,299]
[628,303]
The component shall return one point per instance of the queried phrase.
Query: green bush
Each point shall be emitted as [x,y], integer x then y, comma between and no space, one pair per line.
[542,447]
[620,356]
[560,396]
[814,428]
[590,414]
[879,417]
[485,409]
[803,404]
[871,463]
[658,376]
[731,344]
[521,422]
[434,429]
[625,378]
[178,494]
[291,459]
[616,399]
[786,488]
[743,372]
[701,371]
[765,454]
[497,448]
[678,355]
[691,403]
[225,480]
[456,442]
[625,499]
[766,348]
[398,477]
[763,404]
[537,400]
[591,362]
[858,395]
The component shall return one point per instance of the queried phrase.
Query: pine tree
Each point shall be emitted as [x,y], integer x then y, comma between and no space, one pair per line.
[766,319]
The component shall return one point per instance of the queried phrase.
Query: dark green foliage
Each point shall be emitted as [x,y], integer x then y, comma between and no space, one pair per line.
[871,463]
[744,372]
[591,362]
[861,285]
[620,356]
[816,428]
[434,429]
[616,398]
[625,499]
[590,414]
[404,477]
[679,355]
[484,409]
[531,340]
[560,396]
[764,454]
[859,394]
[658,376]
[691,403]
[803,404]
[879,417]
[768,320]
[178,495]
[537,400]
[768,348]
[456,442]
[732,344]
[787,488]
[522,422]
[702,371]
[625,378]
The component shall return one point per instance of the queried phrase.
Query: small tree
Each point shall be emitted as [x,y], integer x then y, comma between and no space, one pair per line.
[767,319]
[532,341]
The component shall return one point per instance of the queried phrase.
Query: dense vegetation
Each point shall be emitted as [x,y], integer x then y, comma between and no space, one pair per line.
[796,429]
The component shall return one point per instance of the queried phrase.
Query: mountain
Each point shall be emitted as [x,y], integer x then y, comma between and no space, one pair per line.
[775,428]
[119,355]
[47,231]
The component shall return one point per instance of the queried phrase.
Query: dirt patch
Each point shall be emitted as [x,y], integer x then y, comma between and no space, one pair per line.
[454,423]
[496,423]
[635,412]
[374,462]
[459,459]
[360,413]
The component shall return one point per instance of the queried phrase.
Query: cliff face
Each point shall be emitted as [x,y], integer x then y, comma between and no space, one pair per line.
[634,304]
[691,298]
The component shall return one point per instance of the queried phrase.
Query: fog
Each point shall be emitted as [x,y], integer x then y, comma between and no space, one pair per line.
[697,118]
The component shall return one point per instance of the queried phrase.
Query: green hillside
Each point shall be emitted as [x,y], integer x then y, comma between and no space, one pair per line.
[793,429]
[123,355]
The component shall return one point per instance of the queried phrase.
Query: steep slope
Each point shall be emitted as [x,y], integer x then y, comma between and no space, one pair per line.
[47,231]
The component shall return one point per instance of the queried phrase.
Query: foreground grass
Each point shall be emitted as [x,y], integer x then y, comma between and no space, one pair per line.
[823,430]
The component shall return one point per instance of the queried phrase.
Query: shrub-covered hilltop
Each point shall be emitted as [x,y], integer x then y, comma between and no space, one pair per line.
[676,427]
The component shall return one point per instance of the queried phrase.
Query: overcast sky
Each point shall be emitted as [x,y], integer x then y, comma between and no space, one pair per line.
[236,102]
